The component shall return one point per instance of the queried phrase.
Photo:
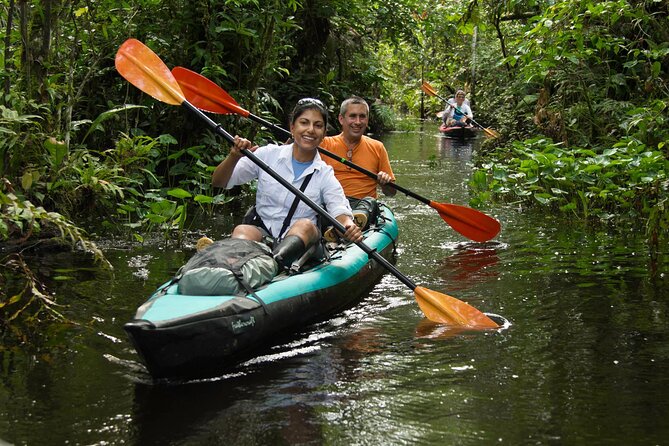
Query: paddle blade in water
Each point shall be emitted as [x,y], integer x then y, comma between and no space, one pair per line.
[492,133]
[469,222]
[444,309]
[144,69]
[205,94]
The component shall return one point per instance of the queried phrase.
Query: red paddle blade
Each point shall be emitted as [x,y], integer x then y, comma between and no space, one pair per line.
[144,69]
[469,222]
[205,94]
[444,309]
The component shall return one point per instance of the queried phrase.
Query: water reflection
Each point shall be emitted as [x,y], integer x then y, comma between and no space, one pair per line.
[456,148]
[469,265]
[426,329]
[266,402]
[261,406]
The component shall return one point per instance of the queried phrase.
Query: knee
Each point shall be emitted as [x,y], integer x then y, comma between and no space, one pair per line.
[247,232]
[305,229]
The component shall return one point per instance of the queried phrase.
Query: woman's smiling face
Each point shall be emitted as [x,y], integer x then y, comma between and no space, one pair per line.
[308,129]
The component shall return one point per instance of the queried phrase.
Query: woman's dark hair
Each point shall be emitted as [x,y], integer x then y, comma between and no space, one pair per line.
[309,104]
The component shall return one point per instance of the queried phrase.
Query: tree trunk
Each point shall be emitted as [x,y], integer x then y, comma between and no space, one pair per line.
[44,53]
[26,54]
[8,51]
[422,93]
[473,89]
[502,44]
[268,44]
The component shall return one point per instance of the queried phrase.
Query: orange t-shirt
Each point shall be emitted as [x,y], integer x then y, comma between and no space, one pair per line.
[369,153]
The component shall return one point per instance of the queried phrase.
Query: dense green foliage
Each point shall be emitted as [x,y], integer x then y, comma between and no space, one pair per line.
[592,78]
[589,77]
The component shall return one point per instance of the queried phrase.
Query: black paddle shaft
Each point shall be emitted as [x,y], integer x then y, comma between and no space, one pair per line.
[319,210]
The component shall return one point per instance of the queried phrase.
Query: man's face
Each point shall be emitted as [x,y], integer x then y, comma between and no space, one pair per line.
[354,123]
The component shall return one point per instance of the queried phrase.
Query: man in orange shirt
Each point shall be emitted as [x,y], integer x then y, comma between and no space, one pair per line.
[364,151]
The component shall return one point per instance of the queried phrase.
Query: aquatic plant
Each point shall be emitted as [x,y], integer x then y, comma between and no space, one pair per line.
[626,181]
[22,295]
[23,225]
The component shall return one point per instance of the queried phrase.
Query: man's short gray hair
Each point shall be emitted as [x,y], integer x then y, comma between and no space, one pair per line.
[352,100]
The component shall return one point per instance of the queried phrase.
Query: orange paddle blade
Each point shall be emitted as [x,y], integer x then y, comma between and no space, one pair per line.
[490,132]
[427,88]
[469,222]
[144,69]
[445,309]
[205,94]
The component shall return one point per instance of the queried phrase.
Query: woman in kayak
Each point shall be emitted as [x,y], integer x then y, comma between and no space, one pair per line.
[457,113]
[279,218]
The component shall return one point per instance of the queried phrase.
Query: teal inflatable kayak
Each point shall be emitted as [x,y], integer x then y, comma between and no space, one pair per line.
[183,336]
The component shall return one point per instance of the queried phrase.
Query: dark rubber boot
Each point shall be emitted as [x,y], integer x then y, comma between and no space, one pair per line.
[365,211]
[289,250]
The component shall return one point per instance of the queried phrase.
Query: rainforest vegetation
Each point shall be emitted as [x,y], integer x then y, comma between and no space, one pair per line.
[577,89]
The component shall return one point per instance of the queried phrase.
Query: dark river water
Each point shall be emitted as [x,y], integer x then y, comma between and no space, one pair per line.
[584,361]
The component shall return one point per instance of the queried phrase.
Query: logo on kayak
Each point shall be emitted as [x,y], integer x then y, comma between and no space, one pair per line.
[240,325]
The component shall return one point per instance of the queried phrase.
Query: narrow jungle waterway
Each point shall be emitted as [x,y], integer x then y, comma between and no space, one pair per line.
[584,361]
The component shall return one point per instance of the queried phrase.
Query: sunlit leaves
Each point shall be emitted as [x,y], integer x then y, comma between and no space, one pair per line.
[178,192]
[57,151]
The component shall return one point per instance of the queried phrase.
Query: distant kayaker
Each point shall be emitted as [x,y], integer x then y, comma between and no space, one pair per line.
[279,219]
[457,113]
[352,144]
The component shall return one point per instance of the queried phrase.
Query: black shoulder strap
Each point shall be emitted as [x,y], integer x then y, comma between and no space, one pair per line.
[240,278]
[293,207]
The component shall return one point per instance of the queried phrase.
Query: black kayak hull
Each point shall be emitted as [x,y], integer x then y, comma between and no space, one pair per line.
[459,132]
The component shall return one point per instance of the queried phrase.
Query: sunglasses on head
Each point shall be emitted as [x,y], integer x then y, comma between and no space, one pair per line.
[307,101]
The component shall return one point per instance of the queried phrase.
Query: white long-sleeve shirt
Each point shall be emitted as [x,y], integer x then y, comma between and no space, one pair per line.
[273,200]
[450,110]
